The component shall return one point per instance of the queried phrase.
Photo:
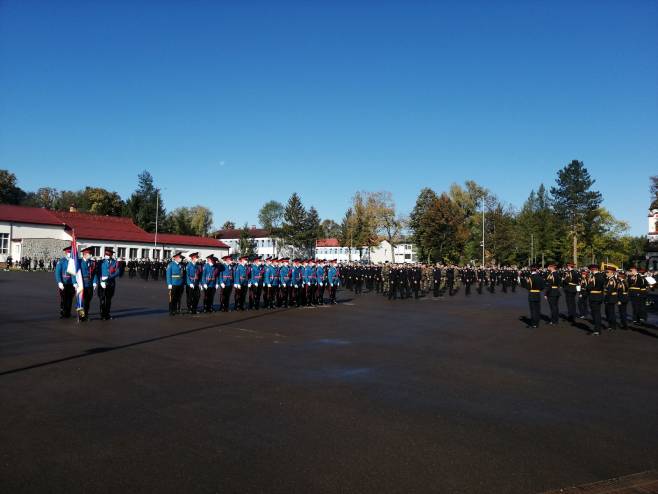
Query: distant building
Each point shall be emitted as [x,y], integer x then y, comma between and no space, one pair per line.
[330,248]
[652,236]
[42,234]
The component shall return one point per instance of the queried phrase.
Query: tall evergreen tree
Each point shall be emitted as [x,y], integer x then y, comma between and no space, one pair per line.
[574,201]
[145,204]
[425,200]
[293,229]
[10,193]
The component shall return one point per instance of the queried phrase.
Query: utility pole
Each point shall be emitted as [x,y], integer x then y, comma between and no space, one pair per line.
[157,210]
[483,232]
[532,248]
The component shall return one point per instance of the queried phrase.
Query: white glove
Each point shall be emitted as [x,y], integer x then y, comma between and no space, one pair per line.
[216,286]
[60,285]
[238,286]
[223,285]
[103,284]
[191,285]
[75,285]
[169,287]
[94,286]
[205,286]
[295,286]
[269,285]
[249,284]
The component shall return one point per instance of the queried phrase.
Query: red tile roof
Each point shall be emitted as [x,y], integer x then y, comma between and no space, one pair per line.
[235,233]
[96,227]
[170,238]
[328,242]
[23,214]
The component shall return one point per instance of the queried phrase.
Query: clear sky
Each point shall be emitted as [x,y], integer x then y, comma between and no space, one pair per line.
[230,104]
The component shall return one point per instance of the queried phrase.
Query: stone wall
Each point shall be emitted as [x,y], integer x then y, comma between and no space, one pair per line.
[42,248]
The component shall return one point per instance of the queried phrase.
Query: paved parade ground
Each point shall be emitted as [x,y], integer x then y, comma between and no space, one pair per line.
[451,395]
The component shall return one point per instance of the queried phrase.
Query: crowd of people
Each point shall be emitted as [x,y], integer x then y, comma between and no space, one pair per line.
[31,264]
[268,283]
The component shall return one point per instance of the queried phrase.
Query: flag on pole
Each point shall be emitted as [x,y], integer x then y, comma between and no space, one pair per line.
[75,270]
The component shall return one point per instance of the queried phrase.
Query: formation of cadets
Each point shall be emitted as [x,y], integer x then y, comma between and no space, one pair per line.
[146,269]
[250,284]
[97,276]
[589,292]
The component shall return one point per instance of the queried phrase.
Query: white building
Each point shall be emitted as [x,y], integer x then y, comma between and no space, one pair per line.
[266,245]
[330,248]
[652,236]
[42,234]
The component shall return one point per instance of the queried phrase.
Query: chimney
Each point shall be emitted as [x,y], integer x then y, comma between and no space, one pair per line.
[73,209]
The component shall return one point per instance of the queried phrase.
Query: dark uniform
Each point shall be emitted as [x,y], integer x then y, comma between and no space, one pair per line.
[596,285]
[534,283]
[570,283]
[553,293]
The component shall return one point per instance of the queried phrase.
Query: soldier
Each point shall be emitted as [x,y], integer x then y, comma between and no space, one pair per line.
[226,283]
[285,277]
[276,283]
[240,281]
[534,283]
[209,282]
[436,279]
[553,292]
[333,280]
[268,277]
[611,296]
[64,284]
[637,290]
[89,282]
[174,276]
[583,294]
[595,286]
[311,283]
[193,272]
[450,280]
[108,272]
[622,299]
[255,283]
[321,279]
[298,282]
[570,282]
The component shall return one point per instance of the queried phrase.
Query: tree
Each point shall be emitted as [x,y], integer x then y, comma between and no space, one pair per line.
[538,228]
[271,215]
[574,201]
[145,203]
[180,221]
[10,193]
[103,202]
[443,232]
[71,199]
[425,200]
[200,220]
[312,228]
[228,225]
[44,197]
[330,229]
[246,244]
[654,192]
[294,222]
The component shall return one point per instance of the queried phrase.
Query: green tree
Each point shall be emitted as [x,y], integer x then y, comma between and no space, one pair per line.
[653,189]
[228,225]
[179,221]
[539,230]
[10,193]
[425,200]
[200,220]
[330,229]
[270,215]
[103,202]
[246,243]
[145,204]
[44,197]
[312,228]
[574,201]
[443,232]
[293,229]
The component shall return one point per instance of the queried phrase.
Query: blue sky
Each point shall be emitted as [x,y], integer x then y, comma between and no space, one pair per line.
[231,104]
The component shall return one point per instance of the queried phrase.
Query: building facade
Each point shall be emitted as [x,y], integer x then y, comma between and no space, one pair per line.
[42,234]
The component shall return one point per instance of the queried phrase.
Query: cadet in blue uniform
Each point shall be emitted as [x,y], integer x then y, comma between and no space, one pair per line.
[108,271]
[333,280]
[321,275]
[64,284]
[268,274]
[297,281]
[226,283]
[256,283]
[175,280]
[276,282]
[192,283]
[240,282]
[311,282]
[284,282]
[209,282]
[89,281]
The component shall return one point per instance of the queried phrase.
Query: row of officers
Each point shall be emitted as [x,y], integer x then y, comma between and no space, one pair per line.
[266,283]
[588,291]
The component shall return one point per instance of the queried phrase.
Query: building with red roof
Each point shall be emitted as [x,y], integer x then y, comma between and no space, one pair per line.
[42,234]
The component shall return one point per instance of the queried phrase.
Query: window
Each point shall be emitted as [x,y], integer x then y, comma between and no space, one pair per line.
[145,253]
[4,243]
[133,253]
[96,251]
[407,256]
[156,253]
[166,254]
[121,252]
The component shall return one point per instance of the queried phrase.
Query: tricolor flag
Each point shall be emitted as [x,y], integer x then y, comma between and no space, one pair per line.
[75,270]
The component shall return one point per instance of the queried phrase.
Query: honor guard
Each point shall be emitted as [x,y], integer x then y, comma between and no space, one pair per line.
[637,293]
[193,272]
[570,284]
[64,284]
[240,281]
[226,283]
[174,275]
[108,271]
[333,280]
[209,282]
[89,281]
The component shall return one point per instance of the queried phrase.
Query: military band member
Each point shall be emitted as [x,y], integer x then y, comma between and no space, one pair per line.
[553,293]
[570,283]
[583,295]
[174,275]
[226,277]
[637,292]
[595,287]
[209,282]
[108,271]
[611,296]
[534,283]
[622,299]
[64,284]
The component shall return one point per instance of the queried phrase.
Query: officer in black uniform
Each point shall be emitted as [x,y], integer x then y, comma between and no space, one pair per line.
[534,283]
[595,287]
[553,292]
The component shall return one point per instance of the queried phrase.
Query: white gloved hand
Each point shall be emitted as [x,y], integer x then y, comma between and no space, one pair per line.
[216,287]
[75,285]
[103,284]
[60,285]
[295,286]
[205,286]
[191,285]
[238,287]
[249,284]
[269,285]
[223,285]
[169,287]
[94,286]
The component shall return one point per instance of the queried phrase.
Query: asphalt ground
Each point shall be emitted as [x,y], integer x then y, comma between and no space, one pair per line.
[447,395]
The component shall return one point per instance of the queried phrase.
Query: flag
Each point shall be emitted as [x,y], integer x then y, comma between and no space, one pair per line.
[75,270]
